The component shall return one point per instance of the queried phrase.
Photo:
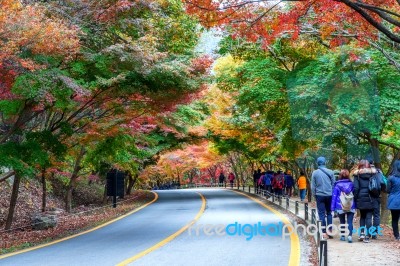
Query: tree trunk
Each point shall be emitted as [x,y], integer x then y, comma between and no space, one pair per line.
[72,182]
[309,196]
[131,183]
[44,190]
[375,152]
[384,211]
[13,201]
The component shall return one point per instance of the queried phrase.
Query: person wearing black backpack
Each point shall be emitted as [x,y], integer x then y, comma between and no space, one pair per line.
[376,217]
[366,199]
[393,189]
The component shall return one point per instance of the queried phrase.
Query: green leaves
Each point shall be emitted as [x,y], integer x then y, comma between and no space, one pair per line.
[27,154]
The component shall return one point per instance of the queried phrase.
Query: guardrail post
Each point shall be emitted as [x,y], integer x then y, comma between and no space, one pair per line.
[323,252]
[225,184]
[273,197]
[319,223]
[280,200]
[313,216]
[296,208]
[306,211]
[287,203]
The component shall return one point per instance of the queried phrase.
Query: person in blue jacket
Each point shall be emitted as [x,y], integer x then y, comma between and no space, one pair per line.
[393,189]
[289,183]
[343,203]
[268,180]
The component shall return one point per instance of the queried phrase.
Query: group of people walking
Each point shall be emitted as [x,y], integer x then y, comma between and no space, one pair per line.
[360,190]
[280,183]
[341,193]
[231,179]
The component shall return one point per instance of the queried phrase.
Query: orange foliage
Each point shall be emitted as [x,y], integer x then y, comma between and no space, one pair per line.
[328,19]
[30,28]
[175,163]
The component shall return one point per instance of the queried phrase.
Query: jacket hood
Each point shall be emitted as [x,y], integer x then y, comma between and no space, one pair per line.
[365,173]
[321,161]
[345,185]
[396,168]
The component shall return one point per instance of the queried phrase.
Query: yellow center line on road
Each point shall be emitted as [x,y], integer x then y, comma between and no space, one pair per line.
[82,233]
[294,259]
[168,239]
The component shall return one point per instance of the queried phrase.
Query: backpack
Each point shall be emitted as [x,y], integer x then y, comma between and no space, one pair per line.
[267,179]
[260,180]
[280,180]
[346,200]
[383,181]
[374,185]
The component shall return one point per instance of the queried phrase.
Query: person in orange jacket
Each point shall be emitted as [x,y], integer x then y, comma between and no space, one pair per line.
[302,184]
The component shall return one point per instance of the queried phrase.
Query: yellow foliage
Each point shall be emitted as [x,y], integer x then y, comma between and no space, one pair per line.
[226,66]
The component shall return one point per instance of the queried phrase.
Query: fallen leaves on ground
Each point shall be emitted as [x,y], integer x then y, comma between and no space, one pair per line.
[71,223]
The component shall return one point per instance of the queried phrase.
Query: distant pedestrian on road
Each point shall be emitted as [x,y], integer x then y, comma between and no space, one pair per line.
[343,203]
[221,179]
[366,202]
[268,181]
[322,181]
[278,183]
[302,184]
[256,177]
[289,183]
[261,181]
[231,179]
[393,189]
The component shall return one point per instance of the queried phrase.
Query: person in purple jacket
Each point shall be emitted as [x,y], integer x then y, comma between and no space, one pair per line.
[343,203]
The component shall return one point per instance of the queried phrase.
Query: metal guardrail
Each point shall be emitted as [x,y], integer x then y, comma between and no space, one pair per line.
[301,210]
[309,217]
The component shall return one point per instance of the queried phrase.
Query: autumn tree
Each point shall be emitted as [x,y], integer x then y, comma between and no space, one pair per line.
[88,75]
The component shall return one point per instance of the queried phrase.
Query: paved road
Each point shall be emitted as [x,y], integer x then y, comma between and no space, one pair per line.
[156,235]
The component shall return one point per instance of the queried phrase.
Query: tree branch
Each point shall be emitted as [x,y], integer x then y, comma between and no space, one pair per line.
[371,20]
[6,176]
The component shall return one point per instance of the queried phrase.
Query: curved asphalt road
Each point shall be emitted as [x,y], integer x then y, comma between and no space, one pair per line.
[149,237]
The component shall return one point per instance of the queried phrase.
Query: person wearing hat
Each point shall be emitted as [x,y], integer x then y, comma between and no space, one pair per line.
[322,181]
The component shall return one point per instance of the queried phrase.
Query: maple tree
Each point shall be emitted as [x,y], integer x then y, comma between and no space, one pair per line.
[326,19]
[96,88]
[285,106]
